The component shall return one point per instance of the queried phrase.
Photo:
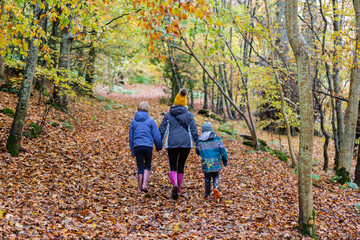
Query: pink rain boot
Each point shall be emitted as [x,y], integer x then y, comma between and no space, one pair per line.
[145,181]
[173,179]
[140,182]
[180,177]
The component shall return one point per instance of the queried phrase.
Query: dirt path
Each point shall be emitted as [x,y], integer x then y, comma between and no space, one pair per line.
[81,184]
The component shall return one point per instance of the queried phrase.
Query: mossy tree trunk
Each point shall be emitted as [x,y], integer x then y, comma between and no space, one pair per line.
[347,146]
[59,95]
[90,70]
[302,55]
[17,127]
[336,82]
[277,78]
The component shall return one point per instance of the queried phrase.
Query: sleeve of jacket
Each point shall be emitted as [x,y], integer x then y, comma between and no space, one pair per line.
[224,156]
[162,127]
[156,135]
[197,151]
[131,138]
[193,129]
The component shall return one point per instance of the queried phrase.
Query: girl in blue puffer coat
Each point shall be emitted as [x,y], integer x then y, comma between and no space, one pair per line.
[142,134]
[213,156]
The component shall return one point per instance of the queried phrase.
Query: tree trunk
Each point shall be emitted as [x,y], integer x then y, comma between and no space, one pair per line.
[60,96]
[277,78]
[212,93]
[249,123]
[336,80]
[357,169]
[205,85]
[90,70]
[301,52]
[347,146]
[176,82]
[281,40]
[2,61]
[17,127]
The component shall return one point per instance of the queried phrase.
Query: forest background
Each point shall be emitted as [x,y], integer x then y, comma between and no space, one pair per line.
[287,67]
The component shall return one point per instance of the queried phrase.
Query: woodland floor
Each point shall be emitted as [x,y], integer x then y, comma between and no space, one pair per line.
[81,184]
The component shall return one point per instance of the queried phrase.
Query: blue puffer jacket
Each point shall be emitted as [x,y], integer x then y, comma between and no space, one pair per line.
[143,132]
[178,128]
[212,151]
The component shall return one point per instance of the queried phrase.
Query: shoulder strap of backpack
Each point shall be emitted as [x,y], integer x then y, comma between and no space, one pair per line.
[180,122]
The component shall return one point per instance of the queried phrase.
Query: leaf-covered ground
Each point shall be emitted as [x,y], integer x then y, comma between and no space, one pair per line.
[81,184]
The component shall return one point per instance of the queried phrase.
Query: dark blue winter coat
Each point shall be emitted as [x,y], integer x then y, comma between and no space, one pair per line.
[143,132]
[178,128]
[212,151]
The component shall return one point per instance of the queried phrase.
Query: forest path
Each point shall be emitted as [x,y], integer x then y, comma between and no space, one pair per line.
[83,183]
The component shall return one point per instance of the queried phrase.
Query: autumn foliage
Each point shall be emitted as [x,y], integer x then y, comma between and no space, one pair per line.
[80,182]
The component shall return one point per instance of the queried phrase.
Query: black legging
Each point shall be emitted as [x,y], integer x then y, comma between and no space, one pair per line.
[177,158]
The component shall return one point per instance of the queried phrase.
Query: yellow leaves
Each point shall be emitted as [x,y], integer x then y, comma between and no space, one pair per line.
[199,14]
[42,6]
[2,213]
[7,8]
[210,20]
[218,23]
[184,16]
[45,48]
[16,41]
[34,2]
[201,1]
[204,8]
[311,222]
[37,42]
[26,48]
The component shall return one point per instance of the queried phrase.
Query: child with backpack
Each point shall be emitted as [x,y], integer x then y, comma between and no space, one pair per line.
[213,155]
[142,134]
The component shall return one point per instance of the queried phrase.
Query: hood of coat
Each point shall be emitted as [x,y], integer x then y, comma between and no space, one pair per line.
[178,110]
[141,116]
[207,136]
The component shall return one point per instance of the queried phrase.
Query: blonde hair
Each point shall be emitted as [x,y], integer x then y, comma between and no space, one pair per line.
[143,106]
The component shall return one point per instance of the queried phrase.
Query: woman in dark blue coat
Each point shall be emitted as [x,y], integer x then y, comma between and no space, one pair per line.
[179,131]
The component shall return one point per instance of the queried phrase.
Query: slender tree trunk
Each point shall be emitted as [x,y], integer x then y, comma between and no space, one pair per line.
[205,85]
[212,93]
[176,82]
[247,102]
[281,40]
[90,70]
[357,170]
[347,146]
[336,79]
[249,124]
[283,110]
[60,96]
[17,127]
[2,61]
[301,52]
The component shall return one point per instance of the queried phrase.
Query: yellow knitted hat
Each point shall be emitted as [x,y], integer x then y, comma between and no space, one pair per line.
[180,98]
